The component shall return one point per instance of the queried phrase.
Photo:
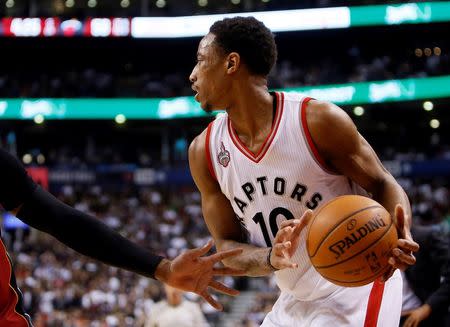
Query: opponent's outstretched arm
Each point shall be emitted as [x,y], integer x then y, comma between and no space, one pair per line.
[190,271]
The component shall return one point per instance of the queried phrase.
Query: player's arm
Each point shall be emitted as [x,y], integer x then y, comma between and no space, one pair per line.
[89,236]
[346,152]
[222,223]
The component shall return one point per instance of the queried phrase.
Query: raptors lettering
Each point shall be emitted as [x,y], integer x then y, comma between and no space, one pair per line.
[278,186]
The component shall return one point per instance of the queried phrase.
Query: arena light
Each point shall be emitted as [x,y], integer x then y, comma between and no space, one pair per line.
[428,106]
[40,159]
[435,123]
[120,119]
[9,3]
[38,119]
[160,3]
[277,21]
[27,158]
[186,107]
[358,111]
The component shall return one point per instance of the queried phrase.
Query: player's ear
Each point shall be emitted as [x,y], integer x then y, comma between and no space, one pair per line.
[233,62]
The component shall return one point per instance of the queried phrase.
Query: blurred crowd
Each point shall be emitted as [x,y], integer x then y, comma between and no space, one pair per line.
[64,289]
[134,82]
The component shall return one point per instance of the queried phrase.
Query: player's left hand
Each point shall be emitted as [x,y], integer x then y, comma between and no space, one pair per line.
[192,271]
[287,240]
[402,256]
[416,316]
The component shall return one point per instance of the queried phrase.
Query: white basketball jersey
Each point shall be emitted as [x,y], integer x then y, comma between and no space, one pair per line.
[281,181]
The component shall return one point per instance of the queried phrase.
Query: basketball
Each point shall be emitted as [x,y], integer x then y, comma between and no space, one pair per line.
[349,240]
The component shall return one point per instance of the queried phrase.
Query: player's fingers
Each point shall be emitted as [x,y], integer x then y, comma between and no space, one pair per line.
[304,221]
[290,222]
[408,245]
[388,274]
[219,256]
[400,218]
[228,272]
[407,322]
[280,247]
[219,287]
[208,298]
[406,313]
[282,263]
[403,257]
[198,252]
[282,234]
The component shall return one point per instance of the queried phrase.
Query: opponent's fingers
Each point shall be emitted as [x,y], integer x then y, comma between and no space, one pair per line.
[219,256]
[228,272]
[403,257]
[208,298]
[198,252]
[219,287]
[408,245]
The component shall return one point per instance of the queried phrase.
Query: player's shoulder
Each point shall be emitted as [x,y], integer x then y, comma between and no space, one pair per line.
[327,115]
[197,146]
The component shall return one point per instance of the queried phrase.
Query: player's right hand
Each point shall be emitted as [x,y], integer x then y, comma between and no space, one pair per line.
[193,272]
[287,240]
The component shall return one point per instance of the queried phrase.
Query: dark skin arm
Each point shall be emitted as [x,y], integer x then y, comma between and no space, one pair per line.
[346,152]
[225,228]
[192,271]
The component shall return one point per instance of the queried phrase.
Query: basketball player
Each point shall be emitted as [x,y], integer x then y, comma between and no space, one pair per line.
[87,235]
[271,159]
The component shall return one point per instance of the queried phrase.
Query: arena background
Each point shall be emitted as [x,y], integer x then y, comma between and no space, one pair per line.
[101,113]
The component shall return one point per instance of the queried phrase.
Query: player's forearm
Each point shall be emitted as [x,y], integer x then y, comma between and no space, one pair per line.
[389,194]
[253,259]
[86,234]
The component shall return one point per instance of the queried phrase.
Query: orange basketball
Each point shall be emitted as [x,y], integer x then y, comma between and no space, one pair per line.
[349,240]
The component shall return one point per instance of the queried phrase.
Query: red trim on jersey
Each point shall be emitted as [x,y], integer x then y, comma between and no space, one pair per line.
[374,304]
[311,144]
[8,295]
[208,152]
[268,141]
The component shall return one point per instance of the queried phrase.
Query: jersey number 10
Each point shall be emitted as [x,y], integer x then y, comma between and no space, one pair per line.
[259,219]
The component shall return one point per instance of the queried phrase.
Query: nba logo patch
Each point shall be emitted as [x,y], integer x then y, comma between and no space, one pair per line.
[223,156]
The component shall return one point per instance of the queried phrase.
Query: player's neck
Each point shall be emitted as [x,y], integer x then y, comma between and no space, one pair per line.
[252,111]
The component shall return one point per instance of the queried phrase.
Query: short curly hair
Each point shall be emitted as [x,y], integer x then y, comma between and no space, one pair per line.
[249,37]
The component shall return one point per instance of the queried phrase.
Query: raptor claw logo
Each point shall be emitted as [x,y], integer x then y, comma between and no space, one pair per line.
[223,156]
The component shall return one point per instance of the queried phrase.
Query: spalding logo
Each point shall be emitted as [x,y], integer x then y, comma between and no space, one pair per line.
[344,244]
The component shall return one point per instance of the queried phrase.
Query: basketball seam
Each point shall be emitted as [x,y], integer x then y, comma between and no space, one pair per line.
[370,245]
[316,214]
[337,224]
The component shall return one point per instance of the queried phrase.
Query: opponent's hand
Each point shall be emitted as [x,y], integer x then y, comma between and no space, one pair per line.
[286,241]
[416,316]
[402,256]
[192,272]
